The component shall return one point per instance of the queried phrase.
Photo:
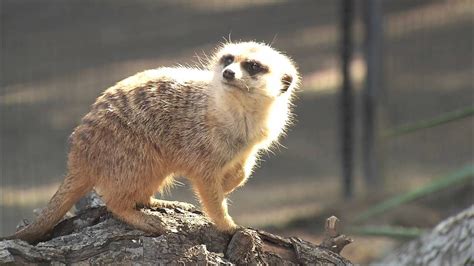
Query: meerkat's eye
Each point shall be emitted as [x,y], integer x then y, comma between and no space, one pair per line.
[253,67]
[227,60]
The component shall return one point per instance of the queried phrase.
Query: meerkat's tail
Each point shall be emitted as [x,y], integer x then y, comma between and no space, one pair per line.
[69,192]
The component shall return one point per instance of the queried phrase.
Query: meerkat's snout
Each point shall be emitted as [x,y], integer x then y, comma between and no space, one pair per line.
[232,72]
[228,74]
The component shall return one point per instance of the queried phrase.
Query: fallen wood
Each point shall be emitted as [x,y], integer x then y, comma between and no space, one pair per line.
[449,243]
[93,236]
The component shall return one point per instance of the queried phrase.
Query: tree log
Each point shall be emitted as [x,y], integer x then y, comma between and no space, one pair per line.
[449,243]
[94,236]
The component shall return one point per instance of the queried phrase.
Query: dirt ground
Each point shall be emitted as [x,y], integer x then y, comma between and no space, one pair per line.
[56,57]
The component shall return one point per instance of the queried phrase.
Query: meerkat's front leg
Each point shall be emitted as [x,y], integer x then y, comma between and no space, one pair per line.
[214,203]
[233,178]
[237,175]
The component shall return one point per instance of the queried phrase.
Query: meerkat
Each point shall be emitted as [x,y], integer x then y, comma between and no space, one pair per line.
[208,124]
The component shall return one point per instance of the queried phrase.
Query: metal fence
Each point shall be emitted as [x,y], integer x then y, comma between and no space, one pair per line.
[414,56]
[378,28]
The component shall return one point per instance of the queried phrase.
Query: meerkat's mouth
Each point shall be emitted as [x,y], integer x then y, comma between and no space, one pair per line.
[237,85]
[232,84]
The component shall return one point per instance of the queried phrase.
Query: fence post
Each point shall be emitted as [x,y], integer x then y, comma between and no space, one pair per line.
[373,57]
[346,98]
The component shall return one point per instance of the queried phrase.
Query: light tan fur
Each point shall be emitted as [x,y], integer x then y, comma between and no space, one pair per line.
[170,122]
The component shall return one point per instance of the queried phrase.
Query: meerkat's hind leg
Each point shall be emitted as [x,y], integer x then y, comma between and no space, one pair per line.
[165,185]
[128,213]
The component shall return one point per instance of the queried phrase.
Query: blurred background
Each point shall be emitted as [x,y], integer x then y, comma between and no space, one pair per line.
[385,107]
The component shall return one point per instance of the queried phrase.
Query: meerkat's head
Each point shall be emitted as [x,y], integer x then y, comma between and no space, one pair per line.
[255,69]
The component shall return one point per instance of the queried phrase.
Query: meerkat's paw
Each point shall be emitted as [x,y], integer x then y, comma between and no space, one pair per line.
[236,229]
[227,226]
[156,203]
[154,225]
[232,230]
[142,220]
[181,205]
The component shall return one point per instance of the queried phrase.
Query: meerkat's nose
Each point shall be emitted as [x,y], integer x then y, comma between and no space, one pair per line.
[228,74]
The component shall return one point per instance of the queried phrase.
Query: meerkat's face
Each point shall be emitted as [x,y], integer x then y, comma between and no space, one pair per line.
[254,68]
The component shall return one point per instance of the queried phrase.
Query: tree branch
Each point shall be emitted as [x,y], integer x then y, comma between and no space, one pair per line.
[93,236]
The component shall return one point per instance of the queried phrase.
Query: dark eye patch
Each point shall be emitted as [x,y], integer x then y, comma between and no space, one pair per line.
[254,67]
[227,59]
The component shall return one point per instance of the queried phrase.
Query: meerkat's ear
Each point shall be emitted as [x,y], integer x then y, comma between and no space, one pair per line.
[286,80]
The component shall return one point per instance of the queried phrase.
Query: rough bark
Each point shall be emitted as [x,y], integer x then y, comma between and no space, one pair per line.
[93,236]
[449,243]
